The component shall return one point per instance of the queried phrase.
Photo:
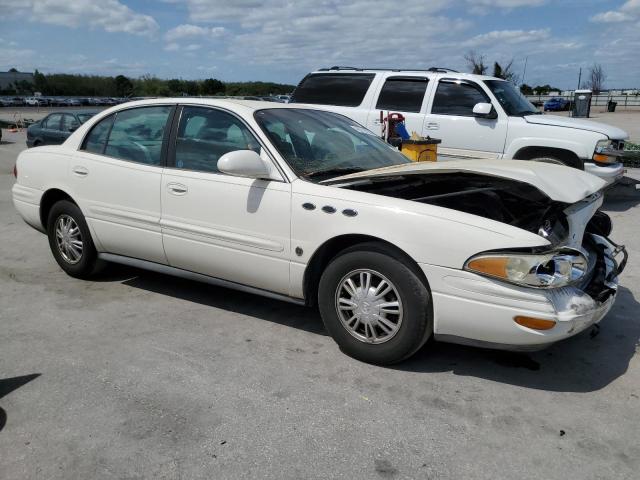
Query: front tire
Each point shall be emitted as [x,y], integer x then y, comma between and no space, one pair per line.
[70,240]
[374,305]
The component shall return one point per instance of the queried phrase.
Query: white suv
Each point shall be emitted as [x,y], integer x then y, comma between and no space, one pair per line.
[475,116]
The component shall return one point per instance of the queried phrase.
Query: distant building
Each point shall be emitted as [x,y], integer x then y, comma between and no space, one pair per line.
[7,79]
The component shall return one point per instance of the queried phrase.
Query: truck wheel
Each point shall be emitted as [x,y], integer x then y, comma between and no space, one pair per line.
[549,159]
[70,240]
[374,305]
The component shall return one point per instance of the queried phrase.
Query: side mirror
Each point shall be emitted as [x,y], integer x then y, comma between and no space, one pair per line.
[484,110]
[246,163]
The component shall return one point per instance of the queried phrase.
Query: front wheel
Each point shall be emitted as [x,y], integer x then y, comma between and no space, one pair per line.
[70,240]
[375,306]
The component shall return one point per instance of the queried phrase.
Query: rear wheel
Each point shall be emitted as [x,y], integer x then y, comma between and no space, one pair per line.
[374,305]
[70,240]
[549,159]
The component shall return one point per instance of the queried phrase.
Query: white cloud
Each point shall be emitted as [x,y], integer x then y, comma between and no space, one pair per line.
[187,30]
[172,47]
[512,37]
[507,3]
[611,17]
[109,15]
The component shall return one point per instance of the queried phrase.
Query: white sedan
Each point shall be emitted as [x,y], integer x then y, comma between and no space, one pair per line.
[308,206]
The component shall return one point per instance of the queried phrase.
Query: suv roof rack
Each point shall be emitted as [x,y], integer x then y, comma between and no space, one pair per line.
[432,69]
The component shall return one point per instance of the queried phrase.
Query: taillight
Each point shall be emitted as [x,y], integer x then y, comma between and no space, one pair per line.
[15,170]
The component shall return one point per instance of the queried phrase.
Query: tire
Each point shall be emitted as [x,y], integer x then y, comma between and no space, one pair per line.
[365,339]
[66,227]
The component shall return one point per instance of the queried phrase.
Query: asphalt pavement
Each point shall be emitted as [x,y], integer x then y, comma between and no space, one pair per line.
[139,375]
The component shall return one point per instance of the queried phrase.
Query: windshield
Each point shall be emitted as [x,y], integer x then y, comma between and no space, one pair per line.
[83,117]
[320,145]
[513,102]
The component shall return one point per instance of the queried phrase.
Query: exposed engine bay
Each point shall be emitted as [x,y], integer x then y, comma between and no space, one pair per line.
[580,225]
[501,199]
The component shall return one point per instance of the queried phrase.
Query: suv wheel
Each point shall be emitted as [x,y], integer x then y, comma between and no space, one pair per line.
[70,240]
[374,305]
[549,159]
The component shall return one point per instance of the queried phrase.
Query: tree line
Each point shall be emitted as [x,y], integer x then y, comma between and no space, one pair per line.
[64,84]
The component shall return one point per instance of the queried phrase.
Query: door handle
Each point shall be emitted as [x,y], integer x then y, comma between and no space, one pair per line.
[80,171]
[177,188]
[433,126]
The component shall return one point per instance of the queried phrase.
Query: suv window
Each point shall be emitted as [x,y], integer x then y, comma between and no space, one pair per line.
[340,89]
[403,94]
[137,134]
[205,134]
[69,123]
[457,97]
[52,122]
[97,138]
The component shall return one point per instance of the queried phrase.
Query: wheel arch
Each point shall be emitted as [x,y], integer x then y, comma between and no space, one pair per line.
[332,247]
[48,200]
[566,155]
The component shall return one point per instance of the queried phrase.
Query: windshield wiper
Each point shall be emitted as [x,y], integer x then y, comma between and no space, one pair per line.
[338,171]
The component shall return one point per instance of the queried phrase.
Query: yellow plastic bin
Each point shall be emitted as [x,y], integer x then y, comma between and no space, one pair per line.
[425,150]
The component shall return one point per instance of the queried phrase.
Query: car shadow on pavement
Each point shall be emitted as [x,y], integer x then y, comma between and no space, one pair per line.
[585,363]
[8,385]
[622,196]
[275,311]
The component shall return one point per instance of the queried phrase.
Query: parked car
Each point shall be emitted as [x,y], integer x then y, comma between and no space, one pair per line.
[557,104]
[6,102]
[34,101]
[474,115]
[55,128]
[308,206]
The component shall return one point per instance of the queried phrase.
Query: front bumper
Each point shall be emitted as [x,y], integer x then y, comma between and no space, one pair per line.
[475,310]
[608,173]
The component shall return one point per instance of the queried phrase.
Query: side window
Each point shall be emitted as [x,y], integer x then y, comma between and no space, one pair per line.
[97,138]
[457,98]
[53,121]
[69,123]
[341,89]
[137,134]
[402,94]
[205,134]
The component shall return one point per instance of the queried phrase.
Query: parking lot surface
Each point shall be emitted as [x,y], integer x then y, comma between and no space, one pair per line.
[140,375]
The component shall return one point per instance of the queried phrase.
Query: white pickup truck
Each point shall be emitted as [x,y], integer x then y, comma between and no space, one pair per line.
[475,116]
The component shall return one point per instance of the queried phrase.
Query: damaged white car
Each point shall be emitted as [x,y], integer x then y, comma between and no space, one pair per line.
[310,207]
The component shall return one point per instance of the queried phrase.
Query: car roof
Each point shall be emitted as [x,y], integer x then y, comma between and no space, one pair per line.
[400,72]
[248,106]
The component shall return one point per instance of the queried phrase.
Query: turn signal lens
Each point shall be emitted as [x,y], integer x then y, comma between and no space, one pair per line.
[600,158]
[534,323]
[494,266]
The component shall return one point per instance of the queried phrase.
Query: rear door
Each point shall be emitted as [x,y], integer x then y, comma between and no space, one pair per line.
[116,178]
[451,119]
[401,94]
[51,130]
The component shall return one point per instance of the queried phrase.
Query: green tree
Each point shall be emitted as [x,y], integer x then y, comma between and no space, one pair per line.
[212,86]
[123,86]
[526,89]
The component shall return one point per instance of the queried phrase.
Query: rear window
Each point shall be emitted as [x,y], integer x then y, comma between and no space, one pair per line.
[403,94]
[340,89]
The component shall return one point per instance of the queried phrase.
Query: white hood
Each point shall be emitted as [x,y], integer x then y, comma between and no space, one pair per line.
[613,133]
[562,184]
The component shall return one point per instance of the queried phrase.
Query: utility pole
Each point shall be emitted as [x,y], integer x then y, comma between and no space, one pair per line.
[579,78]
[524,72]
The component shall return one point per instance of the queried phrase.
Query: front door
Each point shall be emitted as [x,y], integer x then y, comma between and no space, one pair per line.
[451,119]
[228,227]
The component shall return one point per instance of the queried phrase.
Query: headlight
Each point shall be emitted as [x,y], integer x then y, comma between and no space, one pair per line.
[546,270]
[605,153]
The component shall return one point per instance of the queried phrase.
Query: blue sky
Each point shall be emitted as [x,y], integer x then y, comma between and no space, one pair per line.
[281,40]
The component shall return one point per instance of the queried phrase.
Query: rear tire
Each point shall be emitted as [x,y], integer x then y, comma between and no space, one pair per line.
[379,329]
[549,159]
[70,240]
